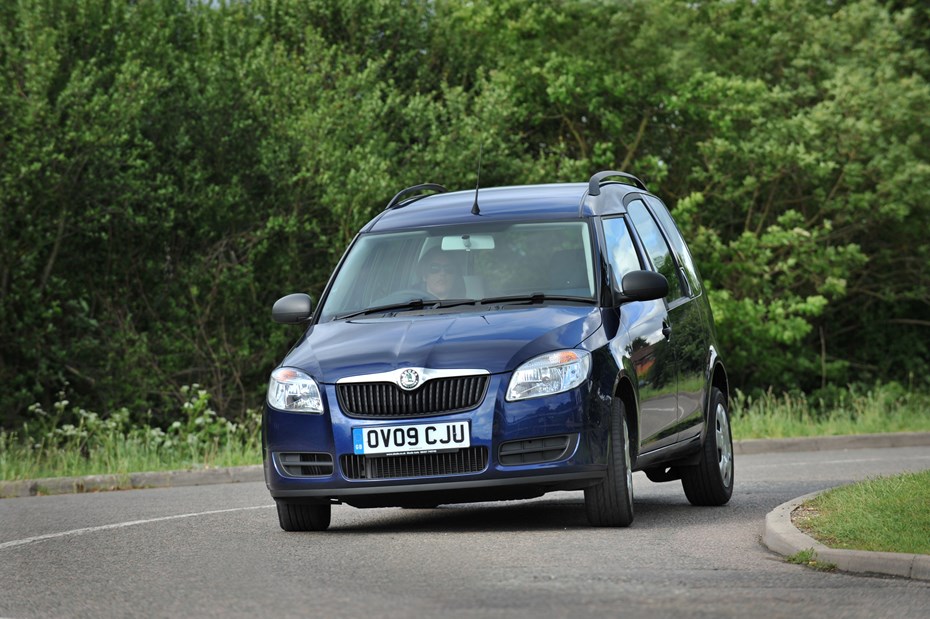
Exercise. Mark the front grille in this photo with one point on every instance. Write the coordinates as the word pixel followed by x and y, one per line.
pixel 470 460
pixel 436 397
pixel 306 464
pixel 535 451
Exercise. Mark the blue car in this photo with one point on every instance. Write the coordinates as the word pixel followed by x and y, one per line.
pixel 497 345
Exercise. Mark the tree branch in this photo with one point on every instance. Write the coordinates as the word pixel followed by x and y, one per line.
pixel 47 272
pixel 640 132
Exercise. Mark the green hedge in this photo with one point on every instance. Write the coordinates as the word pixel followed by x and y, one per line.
pixel 169 168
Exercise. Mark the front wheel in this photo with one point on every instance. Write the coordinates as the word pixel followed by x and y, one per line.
pixel 294 516
pixel 710 482
pixel 610 503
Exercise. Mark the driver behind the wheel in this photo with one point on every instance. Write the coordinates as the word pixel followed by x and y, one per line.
pixel 441 275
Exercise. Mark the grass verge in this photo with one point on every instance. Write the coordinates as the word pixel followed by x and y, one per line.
pixel 888 407
pixel 888 514
pixel 91 444
pixel 94 445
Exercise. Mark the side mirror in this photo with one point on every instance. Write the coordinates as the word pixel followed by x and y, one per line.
pixel 293 309
pixel 643 286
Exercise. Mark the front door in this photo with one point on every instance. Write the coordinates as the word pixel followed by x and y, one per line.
pixel 647 323
pixel 683 327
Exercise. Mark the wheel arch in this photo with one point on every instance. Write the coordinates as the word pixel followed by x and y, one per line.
pixel 627 394
pixel 720 380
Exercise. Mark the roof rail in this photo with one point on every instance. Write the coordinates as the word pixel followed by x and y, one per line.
pixel 594 185
pixel 395 201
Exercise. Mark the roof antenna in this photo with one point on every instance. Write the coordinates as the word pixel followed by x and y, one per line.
pixel 474 207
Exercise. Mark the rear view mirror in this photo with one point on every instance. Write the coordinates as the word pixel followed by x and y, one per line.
pixel 643 286
pixel 467 242
pixel 293 309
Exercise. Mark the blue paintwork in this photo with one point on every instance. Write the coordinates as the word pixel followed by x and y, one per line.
pixel 499 203
pixel 536 202
pixel 495 339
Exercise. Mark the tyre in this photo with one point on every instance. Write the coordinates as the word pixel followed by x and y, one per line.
pixel 610 503
pixel 710 482
pixel 303 516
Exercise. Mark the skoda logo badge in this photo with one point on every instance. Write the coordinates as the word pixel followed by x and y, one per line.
pixel 409 379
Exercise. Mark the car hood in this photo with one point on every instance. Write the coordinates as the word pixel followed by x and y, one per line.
pixel 496 340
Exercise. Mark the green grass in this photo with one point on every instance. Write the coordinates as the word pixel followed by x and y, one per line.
pixel 91 444
pixel 94 445
pixel 890 514
pixel 809 558
pixel 882 408
pixel 120 457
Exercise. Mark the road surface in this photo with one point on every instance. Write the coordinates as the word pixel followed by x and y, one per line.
pixel 218 551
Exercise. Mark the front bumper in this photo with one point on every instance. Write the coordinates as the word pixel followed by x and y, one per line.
pixel 577 415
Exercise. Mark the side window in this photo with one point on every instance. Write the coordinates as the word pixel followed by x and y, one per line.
pixel 678 244
pixel 656 248
pixel 620 249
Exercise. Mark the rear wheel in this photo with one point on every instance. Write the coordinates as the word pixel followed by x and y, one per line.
pixel 711 481
pixel 610 503
pixel 293 516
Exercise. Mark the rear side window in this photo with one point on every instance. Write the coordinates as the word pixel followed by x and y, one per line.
pixel 678 244
pixel 656 248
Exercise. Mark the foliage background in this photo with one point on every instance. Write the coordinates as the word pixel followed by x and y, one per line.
pixel 169 168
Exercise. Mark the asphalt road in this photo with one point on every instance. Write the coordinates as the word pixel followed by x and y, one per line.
pixel 218 551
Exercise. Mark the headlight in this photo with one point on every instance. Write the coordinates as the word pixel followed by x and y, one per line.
pixel 292 390
pixel 553 372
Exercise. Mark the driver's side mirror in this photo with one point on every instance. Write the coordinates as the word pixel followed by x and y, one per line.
pixel 293 309
pixel 642 286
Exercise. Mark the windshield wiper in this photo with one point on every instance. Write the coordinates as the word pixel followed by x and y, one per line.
pixel 536 297
pixel 415 304
pixel 412 304
pixel 454 302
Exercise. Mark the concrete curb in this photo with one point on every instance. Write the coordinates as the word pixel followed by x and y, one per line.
pixel 830 443
pixel 161 479
pixel 782 537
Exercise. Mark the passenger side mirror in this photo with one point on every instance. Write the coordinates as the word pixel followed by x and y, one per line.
pixel 293 309
pixel 643 286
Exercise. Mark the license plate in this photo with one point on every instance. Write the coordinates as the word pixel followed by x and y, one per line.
pixel 411 438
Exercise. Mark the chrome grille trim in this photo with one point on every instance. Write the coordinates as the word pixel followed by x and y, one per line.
pixel 439 396
pixel 428 374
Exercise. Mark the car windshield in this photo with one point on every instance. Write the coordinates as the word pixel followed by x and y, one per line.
pixel 457 265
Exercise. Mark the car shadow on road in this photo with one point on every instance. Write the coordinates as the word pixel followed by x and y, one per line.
pixel 539 515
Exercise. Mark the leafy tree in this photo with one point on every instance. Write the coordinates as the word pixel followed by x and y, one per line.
pixel 810 187
pixel 169 168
